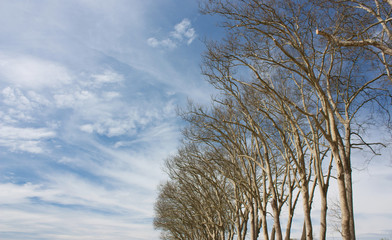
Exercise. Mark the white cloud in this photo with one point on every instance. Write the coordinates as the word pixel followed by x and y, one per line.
pixel 39 99
pixel 183 32
pixel 33 73
pixel 153 42
pixel 14 194
pixel 95 107
pixel 88 128
pixel 24 139
pixel 108 114
pixel 112 127
pixel 74 99
pixel 14 133
pixel 98 109
pixel 48 222
pixel 166 43
pixel 22 106
pixel 110 95
pixel 107 77
pixel 131 194
pixel 90 220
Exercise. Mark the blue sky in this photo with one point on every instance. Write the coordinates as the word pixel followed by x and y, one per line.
pixel 88 98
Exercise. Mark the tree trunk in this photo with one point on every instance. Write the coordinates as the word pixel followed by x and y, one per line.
pixel 288 227
pixel 306 208
pixel 265 226
pixel 277 228
pixel 253 235
pixel 349 191
pixel 339 155
pixel 348 176
pixel 323 214
pixel 346 231
pixel 273 233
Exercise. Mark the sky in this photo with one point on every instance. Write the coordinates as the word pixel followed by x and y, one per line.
pixel 89 91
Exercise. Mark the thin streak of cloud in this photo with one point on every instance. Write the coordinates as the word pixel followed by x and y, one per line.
pixel 166 43
pixel 33 73
pixel 49 222
pixel 24 139
pixel 108 77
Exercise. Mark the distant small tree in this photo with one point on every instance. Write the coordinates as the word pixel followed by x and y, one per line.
pixel 197 201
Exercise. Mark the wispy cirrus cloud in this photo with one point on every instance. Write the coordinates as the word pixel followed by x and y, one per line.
pixel 183 33
pixel 107 77
pixel 24 139
pixel 87 112
pixel 31 72
pixel 65 207
pixel 45 222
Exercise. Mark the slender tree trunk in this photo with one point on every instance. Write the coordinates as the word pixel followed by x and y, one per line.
pixel 291 213
pixel 348 176
pixel 253 235
pixel 350 201
pixel 244 230
pixel 345 212
pixel 323 214
pixel 264 208
pixel 265 226
pixel 340 161
pixel 277 228
pixel 288 227
pixel 306 208
pixel 273 233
